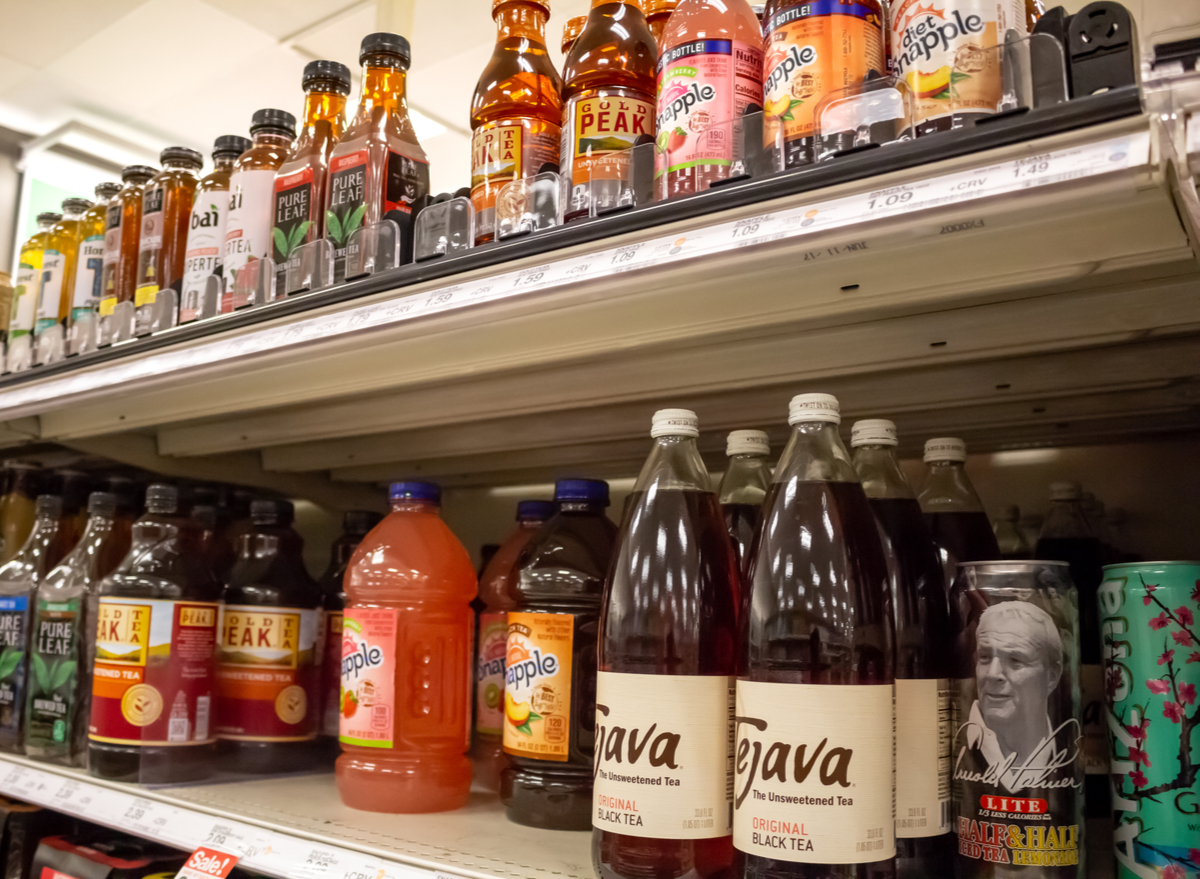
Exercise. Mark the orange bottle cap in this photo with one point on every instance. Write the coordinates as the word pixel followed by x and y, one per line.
pixel 659 7
pixel 572 29
pixel 544 4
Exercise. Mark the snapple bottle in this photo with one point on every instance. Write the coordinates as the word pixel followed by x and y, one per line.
pixel 166 212
pixel 406 662
pixel 378 171
pixel 608 104
pixel 89 265
pixel 516 113
pixel 122 235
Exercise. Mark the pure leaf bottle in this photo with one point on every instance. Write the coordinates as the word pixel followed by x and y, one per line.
pixel 952 508
pixel 60 669
pixel 815 763
pixel 924 846
pixel 122 235
pixel 89 271
pixel 667 665
pixel 744 487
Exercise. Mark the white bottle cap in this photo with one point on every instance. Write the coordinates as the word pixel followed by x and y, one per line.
pixel 873 432
pixel 675 422
pixel 1064 491
pixel 814 407
pixel 747 442
pixel 945 448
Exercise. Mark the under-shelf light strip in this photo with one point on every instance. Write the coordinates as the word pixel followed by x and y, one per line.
pixel 1045 169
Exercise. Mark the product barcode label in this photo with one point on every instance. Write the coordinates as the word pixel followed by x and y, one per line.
pixel 202 718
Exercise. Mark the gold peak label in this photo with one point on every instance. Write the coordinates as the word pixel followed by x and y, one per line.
pixel 250 637
pixel 123 633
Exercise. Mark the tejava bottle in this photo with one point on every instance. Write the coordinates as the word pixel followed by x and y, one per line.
pixel 122 236
pixel 166 214
pixel 300 181
pixel 154 645
pixel 406 662
pixel 550 675
pixel 204 254
pixel 608 104
pixel 924 845
pixel 744 487
pixel 811 49
pixel 952 508
pixel 496 593
pixel 89 272
pixel 662 801
pixel 60 679
pixel 814 793
pixel 709 72
pixel 516 112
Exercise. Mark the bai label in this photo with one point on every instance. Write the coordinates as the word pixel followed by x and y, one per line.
pixel 368 697
pixel 247 225
pixel 205 247
pixel 537 685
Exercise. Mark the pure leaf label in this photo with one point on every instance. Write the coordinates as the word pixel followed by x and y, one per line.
pixel 347 205
pixel 52 668
pixel 14 635
pixel 293 213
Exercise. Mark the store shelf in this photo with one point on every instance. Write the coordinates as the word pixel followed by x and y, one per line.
pixel 296 827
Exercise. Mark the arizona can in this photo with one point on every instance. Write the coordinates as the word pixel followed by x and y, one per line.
pixel 1151 652
pixel 1016 757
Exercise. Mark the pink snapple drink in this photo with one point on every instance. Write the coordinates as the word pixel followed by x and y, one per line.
pixel 709 72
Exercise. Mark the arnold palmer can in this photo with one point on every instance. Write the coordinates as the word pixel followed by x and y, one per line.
pixel 1151 652
pixel 1016 755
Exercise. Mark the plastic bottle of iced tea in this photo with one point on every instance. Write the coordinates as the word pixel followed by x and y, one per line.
pixel 658 12
pixel 571 31
pixel 405 724
pixel 27 295
pixel 550 675
pixel 89 271
pixel 952 508
pixel 60 682
pixel 496 593
pixel 924 843
pixel 252 199
pixel 709 71
pixel 74 487
pixel 300 182
pixel 815 675
pixel 516 112
pixel 744 487
pixel 667 666
pixel 156 616
pixel 608 104
pixel 205 249
pixel 378 171
pixel 22 482
pixel 122 234
pixel 166 215
pixel 270 621
pixel 810 50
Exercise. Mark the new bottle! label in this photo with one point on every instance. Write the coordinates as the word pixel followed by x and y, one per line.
pixel 815 772
pixel 664 755
pixel 14 637
pixel 368 697
pixel 205 247
pixel 537 685
pixel 53 673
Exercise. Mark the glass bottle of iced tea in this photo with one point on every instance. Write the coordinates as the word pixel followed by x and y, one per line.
pixel 122 234
pixel 744 487
pixel 550 675
pixel 27 294
pixel 89 269
pixel 55 261
pixel 952 508
pixel 22 484
pixel 608 104
pixel 809 51
pixel 378 171
pixel 67 238
pixel 496 594
pixel 300 181
pixel 204 253
pixel 571 31
pixel 667 666
pixel 270 622
pixel 516 112
pixel 166 215
pixel 924 647
pixel 657 14
pixel 156 615
pixel 252 199
pixel 814 793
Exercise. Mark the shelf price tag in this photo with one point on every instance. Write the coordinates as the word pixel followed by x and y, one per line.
pixel 207 862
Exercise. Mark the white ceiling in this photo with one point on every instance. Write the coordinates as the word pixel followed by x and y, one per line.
pixel 164 72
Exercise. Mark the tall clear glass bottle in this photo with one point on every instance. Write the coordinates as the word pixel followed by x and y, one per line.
pixel 27 294
pixel 667 662
pixel 166 216
pixel 122 236
pixel 744 487
pixel 1009 538
pixel 54 268
pixel 89 272
pixel 816 671
pixel 924 842
pixel 952 508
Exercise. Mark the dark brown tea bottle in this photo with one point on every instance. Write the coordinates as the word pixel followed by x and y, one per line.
pixel 744 487
pixel 952 508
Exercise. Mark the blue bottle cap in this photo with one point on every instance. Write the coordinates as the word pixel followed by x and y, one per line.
pixel 540 510
pixel 594 491
pixel 422 491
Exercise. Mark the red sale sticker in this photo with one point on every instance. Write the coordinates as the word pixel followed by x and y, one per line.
pixel 207 863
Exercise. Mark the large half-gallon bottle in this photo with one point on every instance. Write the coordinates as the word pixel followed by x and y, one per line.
pixel 952 508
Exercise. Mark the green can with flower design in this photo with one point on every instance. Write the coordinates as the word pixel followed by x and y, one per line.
pixel 1151 650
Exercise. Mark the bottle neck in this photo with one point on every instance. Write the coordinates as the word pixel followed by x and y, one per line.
pixel 524 20
pixel 674 464
pixel 224 162
pixel 98 527
pixel 45 225
pixel 273 138
pixel 180 166
pixel 414 505
pixel 815 454
pixel 880 472
pixel 746 480
pixel 383 87
pixel 1065 520
pixel 949 490
pixel 323 106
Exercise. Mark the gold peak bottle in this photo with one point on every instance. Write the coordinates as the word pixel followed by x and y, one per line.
pixel 300 181
pixel 571 31
pixel 516 114
pixel 122 231
pixel 378 171
pixel 608 103
pixel 166 210
pixel 89 269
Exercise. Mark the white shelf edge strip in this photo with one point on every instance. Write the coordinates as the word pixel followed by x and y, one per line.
pixel 1086 160
pixel 273 852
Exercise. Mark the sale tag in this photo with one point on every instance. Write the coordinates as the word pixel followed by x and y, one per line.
pixel 207 863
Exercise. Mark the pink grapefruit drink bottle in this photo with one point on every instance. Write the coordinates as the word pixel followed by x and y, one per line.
pixel 406 662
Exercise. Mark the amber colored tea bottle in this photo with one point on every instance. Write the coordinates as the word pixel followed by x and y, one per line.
pixel 378 171
pixel 952 508
pixel 300 180
pixel 89 267
pixel 516 113
pixel 58 259
pixel 744 487
pixel 657 13
pixel 571 31
pixel 122 234
pixel 67 234
pixel 166 213
pixel 608 104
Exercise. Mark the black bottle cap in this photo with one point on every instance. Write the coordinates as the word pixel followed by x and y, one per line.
pixel 386 44
pixel 75 205
pixel 273 120
pixel 359 521
pixel 137 174
pixel 162 498
pixel 335 73
pixel 49 505
pixel 230 145
pixel 183 156
pixel 102 503
pixel 48 217
pixel 269 512
pixel 107 189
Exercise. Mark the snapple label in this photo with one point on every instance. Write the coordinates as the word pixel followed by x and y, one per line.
pixel 489 674
pixel 503 151
pixel 537 685
pixel 368 698
pixel 205 246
